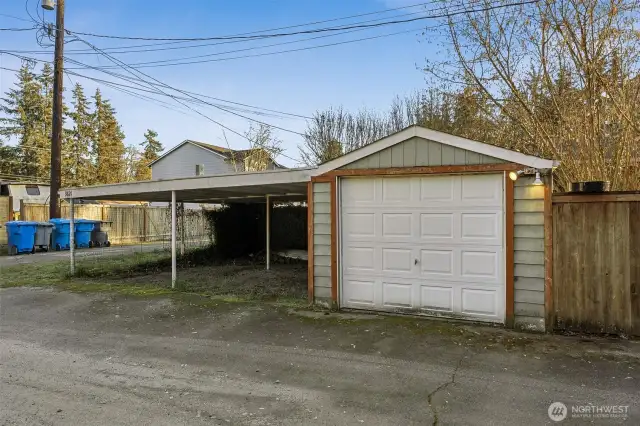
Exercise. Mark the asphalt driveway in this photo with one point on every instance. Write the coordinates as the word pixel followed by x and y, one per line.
pixel 101 359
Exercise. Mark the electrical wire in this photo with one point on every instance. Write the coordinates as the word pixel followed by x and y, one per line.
pixel 256 32
pixel 312 31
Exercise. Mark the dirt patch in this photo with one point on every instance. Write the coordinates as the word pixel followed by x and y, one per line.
pixel 248 280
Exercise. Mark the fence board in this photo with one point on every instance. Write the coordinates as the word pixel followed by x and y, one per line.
pixel 596 265
pixel 131 224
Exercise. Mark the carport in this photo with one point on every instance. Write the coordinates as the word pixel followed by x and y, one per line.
pixel 254 187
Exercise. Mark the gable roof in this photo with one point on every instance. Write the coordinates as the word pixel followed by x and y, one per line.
pixel 507 155
pixel 232 154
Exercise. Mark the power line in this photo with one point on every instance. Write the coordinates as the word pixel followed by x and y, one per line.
pixel 15 17
pixel 115 50
pixel 110 49
pixel 312 31
pixel 113 84
pixel 256 34
pixel 170 62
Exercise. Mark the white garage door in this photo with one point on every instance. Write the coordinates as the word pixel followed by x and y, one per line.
pixel 430 245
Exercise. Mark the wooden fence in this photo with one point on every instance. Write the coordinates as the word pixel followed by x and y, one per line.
pixel 130 224
pixel 596 262
pixel 6 207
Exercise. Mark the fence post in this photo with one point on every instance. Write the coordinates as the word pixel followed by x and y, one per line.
pixel 144 224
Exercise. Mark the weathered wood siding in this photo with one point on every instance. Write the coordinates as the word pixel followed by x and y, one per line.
pixel 5 216
pixel 322 241
pixel 528 256
pixel 418 152
pixel 596 265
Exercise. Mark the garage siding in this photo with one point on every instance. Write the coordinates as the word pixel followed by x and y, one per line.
pixel 322 242
pixel 529 254
pixel 419 152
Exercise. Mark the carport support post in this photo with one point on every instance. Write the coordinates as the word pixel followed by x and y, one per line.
pixel 72 237
pixel 174 271
pixel 268 215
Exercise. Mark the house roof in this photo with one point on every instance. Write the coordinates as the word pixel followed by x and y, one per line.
pixel 440 137
pixel 234 154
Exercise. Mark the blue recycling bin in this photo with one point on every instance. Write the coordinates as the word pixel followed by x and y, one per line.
pixel 21 235
pixel 83 228
pixel 60 236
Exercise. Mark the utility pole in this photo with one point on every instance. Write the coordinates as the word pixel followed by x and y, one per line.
pixel 56 133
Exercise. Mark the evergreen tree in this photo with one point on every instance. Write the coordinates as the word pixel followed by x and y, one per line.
pixel 108 146
pixel 76 160
pixel 151 149
pixel 23 120
pixel 10 164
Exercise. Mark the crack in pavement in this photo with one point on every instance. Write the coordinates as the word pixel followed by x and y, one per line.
pixel 443 386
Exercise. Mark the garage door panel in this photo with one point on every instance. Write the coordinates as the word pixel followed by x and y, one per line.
pixel 437 225
pixel 358 292
pixel 397 295
pixel 397 225
pixel 359 224
pixel 397 190
pixel 438 189
pixel 481 226
pixel 361 259
pixel 358 191
pixel 436 298
pixel 440 262
pixel 480 190
pixel 480 264
pixel 480 302
pixel 426 244
pixel 397 260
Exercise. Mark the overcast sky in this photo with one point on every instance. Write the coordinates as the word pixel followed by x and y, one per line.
pixel 354 75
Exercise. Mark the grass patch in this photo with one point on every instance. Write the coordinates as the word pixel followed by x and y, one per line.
pixel 200 272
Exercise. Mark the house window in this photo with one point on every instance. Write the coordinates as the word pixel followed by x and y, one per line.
pixel 199 169
pixel 33 190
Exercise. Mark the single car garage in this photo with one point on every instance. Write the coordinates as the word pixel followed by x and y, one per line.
pixel 424 222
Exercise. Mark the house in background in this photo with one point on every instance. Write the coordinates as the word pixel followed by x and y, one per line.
pixel 25 192
pixel 191 158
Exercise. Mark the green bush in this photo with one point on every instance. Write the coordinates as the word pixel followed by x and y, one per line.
pixel 240 229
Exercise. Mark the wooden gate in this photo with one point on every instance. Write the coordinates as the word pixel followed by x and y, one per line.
pixel 596 262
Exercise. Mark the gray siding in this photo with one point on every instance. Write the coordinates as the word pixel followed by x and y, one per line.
pixel 418 152
pixel 322 242
pixel 182 163
pixel 529 254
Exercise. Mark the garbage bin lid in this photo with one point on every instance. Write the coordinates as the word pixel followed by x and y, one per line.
pixel 43 223
pixel 21 223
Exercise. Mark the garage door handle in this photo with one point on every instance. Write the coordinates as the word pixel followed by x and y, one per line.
pixel 415 262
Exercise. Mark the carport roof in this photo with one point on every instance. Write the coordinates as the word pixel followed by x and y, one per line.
pixel 285 185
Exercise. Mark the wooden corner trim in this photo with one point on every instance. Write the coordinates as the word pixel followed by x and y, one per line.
pixel 310 242
pixel 334 240
pixel 322 178
pixel 509 251
pixel 548 257
pixel 477 168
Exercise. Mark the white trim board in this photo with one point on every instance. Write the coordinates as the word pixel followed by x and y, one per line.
pixel 440 137
pixel 232 180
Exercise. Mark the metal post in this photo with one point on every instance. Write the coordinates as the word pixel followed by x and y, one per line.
pixel 56 129
pixel 72 237
pixel 268 207
pixel 174 272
